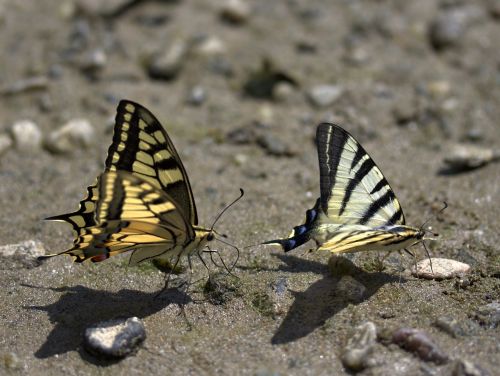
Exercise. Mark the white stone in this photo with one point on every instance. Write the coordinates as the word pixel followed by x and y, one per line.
pixel 324 95
pixel 26 134
pixel 28 249
pixel 441 268
pixel 210 46
pixel 237 11
pixel 74 134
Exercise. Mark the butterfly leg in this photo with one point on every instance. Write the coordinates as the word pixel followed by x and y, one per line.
pixel 412 255
pixel 167 278
pixel 428 256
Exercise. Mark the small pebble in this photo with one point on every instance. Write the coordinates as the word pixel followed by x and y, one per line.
pixel 11 361
pixel 167 64
pixel 210 46
pixel 356 354
pixel 324 95
pixel 466 368
pixel 27 252
pixel 242 135
pixel 441 268
pixel 466 157
pixel 76 133
pixel 405 109
pixel 196 96
pixel 282 91
pixel 447 29
pixel 419 343
pixel 489 315
pixel 280 286
pixel 26 135
pixel 5 143
pixel 115 338
pixel 452 326
pixel 93 61
pixel 350 289
pixel 274 146
pixel 236 11
pixel 28 84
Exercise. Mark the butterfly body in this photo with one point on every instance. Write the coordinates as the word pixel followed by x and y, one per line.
pixel 142 202
pixel 357 209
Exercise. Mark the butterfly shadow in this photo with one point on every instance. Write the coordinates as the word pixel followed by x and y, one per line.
pixel 325 297
pixel 80 307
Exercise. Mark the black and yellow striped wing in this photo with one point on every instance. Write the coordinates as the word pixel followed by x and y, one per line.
pixel 141 146
pixel 132 214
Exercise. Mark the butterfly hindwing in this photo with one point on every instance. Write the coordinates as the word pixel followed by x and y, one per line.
pixel 141 146
pixel 131 214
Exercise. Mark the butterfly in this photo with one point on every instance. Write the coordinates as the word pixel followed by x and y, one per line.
pixel 142 202
pixel 357 210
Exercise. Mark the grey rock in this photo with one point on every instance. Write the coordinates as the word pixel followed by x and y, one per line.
pixel 419 343
pixel 489 315
pixel 446 30
pixel 454 327
pixel 76 133
pixel 466 368
pixel 35 83
pixel 115 338
pixel 280 286
pixel 440 268
pixel 5 143
pixel 167 64
pixel 26 252
pixel 108 8
pixel 11 361
pixel 242 135
pixel 449 27
pixel 236 11
pixel 27 135
pixel 350 289
pixel 466 157
pixel 405 109
pixel 274 146
pixel 93 61
pixel 356 354
pixel 324 95
pixel 197 95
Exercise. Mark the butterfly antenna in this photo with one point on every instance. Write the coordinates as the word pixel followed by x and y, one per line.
pixel 242 192
pixel 429 219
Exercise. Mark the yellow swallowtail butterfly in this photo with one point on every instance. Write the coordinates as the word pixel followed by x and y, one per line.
pixel 142 202
pixel 357 209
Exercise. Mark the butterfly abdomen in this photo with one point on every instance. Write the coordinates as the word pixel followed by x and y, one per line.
pixel 300 234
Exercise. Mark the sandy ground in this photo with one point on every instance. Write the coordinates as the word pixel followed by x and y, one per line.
pixel 406 100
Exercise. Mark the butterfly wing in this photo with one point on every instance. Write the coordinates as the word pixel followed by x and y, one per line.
pixel 353 189
pixel 132 214
pixel 141 146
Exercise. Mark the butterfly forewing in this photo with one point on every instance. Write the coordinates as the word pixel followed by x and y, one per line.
pixel 353 189
pixel 141 146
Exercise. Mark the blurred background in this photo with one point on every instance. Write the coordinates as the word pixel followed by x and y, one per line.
pixel 240 86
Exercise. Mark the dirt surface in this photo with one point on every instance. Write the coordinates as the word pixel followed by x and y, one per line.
pixel 412 79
